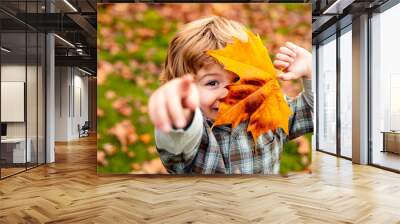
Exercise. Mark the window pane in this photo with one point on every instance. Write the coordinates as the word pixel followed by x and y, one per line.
pixel 327 96
pixel 345 94
pixel 385 89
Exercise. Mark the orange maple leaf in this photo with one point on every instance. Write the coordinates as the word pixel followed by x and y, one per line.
pixel 256 96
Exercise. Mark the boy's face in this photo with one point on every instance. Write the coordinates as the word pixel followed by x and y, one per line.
pixel 211 81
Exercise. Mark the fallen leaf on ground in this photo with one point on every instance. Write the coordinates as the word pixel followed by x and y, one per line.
pixel 145 138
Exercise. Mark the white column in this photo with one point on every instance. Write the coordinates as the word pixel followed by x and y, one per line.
pixel 50 99
pixel 360 90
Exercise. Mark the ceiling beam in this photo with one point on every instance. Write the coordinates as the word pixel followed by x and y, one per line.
pixel 337 7
pixel 83 61
pixel 84 24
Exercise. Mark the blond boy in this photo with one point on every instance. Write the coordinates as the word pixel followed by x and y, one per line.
pixel 184 107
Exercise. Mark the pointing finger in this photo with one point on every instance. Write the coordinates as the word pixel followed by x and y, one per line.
pixel 185 84
pixel 192 100
pixel 175 109
pixel 162 119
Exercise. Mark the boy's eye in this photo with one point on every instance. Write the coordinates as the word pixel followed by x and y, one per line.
pixel 212 83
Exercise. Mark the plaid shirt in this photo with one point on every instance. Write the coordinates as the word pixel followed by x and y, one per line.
pixel 226 151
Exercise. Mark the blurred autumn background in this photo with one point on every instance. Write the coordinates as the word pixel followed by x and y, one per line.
pixel 132 41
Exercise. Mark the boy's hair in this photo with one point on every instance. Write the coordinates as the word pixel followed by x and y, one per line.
pixel 187 50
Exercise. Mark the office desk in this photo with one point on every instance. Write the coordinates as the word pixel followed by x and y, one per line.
pixel 16 147
pixel 391 141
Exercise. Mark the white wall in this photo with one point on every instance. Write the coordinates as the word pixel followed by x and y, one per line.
pixel 61 103
pixel 71 93
pixel 11 73
pixel 33 127
pixel 80 102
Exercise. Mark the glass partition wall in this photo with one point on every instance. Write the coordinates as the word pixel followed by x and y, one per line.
pixel 13 89
pixel 334 94
pixel 22 88
pixel 334 86
pixel 385 90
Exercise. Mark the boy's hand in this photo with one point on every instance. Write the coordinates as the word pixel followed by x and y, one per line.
pixel 173 103
pixel 295 61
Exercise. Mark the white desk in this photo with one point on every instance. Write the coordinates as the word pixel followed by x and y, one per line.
pixel 19 149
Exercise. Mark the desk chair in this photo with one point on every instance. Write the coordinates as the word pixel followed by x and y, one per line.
pixel 84 130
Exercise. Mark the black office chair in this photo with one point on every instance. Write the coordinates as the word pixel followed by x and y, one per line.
pixel 84 130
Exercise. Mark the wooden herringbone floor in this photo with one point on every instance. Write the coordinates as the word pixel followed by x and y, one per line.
pixel 69 191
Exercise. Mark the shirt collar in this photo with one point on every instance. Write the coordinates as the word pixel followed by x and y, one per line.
pixel 225 127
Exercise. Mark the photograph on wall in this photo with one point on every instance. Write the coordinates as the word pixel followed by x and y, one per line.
pixel 204 88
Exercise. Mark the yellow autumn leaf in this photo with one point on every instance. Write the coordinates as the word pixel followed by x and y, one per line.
pixel 256 96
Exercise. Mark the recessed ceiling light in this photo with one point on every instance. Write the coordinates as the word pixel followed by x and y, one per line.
pixel 84 71
pixel 70 5
pixel 337 7
pixel 5 49
pixel 64 40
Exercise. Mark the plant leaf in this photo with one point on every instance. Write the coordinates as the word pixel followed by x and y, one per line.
pixel 256 96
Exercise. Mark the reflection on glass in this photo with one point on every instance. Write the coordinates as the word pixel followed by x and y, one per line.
pixel 327 96
pixel 346 94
